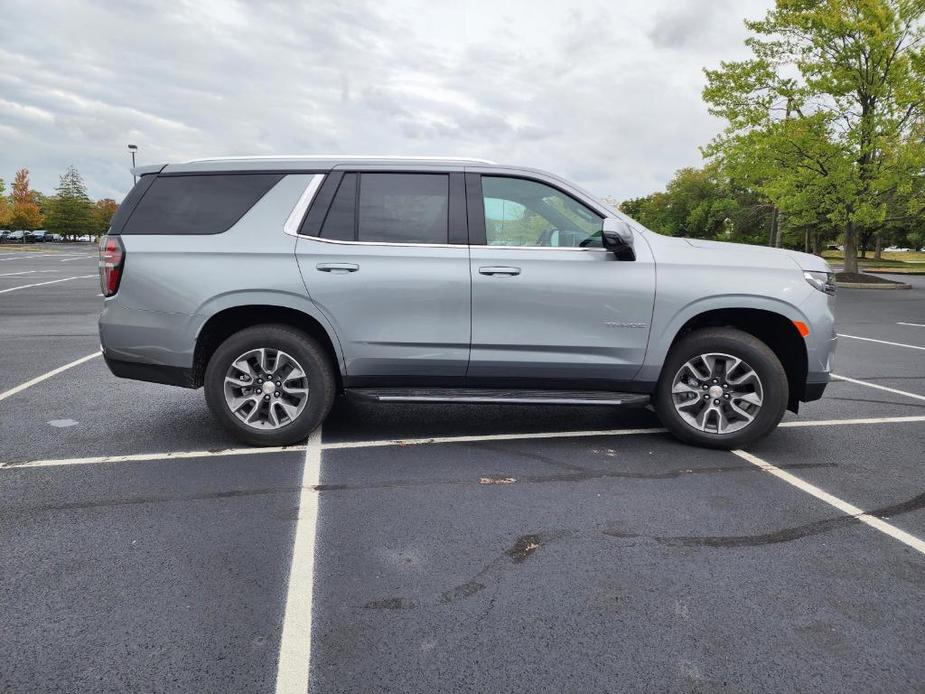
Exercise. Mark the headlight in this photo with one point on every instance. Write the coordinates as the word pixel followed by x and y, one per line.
pixel 823 281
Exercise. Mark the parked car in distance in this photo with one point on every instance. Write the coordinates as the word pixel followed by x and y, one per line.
pixel 20 235
pixel 4 234
pixel 50 236
pixel 39 235
pixel 277 283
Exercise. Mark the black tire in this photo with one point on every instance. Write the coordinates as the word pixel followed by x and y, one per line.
pixel 738 344
pixel 315 361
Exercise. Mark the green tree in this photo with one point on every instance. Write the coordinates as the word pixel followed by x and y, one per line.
pixel 103 211
pixel 829 111
pixel 24 211
pixel 4 206
pixel 703 203
pixel 71 211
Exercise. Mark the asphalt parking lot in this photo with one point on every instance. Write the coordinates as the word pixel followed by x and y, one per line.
pixel 450 548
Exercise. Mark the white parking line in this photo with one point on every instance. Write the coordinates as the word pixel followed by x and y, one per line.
pixel 843 506
pixel 879 387
pixel 914 325
pixel 295 645
pixel 339 445
pixel 54 372
pixel 882 342
pixel 39 284
pixel 10 274
pixel 18 256
pixel 80 257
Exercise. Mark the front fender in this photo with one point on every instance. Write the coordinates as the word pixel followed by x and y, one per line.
pixel 667 324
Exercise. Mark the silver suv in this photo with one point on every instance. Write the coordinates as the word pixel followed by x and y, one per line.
pixel 277 283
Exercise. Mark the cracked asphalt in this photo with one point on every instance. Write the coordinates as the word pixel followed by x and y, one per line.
pixel 593 562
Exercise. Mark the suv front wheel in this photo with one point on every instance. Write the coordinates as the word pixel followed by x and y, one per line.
pixel 721 388
pixel 270 385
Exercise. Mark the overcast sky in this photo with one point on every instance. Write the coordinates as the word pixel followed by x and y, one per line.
pixel 604 93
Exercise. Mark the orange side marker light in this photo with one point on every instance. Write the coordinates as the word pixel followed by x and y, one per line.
pixel 802 328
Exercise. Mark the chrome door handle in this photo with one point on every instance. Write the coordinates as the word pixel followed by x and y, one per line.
pixel 337 268
pixel 503 270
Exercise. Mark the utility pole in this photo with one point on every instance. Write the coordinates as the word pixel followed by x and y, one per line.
pixel 133 149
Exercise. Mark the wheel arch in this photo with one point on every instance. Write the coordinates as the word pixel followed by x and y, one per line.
pixel 774 329
pixel 225 322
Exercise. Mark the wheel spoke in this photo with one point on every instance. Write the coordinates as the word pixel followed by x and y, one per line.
pixel 290 410
pixel 238 403
pixel 751 398
pixel 739 411
pixel 684 387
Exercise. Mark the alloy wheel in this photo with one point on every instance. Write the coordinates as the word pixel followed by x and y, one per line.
pixel 266 388
pixel 717 393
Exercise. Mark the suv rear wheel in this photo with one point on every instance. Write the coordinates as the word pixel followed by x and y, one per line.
pixel 270 385
pixel 721 388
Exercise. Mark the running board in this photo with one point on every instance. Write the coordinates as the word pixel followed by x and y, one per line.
pixel 500 397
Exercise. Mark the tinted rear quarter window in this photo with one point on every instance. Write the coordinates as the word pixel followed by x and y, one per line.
pixel 340 224
pixel 403 208
pixel 197 204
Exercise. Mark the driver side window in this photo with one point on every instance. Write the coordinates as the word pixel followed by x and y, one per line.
pixel 520 212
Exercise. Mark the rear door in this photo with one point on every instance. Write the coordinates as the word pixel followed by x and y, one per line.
pixel 383 254
pixel 550 306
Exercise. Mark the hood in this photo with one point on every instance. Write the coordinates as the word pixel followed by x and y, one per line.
pixel 805 261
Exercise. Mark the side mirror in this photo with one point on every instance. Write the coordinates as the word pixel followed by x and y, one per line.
pixel 617 238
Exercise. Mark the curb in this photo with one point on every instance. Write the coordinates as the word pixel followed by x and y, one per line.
pixel 873 285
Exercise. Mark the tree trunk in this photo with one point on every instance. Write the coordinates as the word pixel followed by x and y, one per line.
pixel 772 233
pixel 806 240
pixel 851 248
pixel 878 248
pixel 817 244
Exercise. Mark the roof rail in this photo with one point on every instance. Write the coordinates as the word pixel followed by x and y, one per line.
pixel 329 157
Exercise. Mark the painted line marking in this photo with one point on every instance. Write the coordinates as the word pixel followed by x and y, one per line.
pixel 914 325
pixel 54 372
pixel 39 284
pixel 339 445
pixel 840 504
pixel 295 644
pixel 80 257
pixel 879 387
pixel 882 342
pixel 10 274
pixel 492 437
pixel 25 254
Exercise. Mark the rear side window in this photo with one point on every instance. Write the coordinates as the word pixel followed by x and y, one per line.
pixel 128 204
pixel 197 204
pixel 340 224
pixel 403 208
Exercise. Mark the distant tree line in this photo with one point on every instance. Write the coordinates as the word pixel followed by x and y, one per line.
pixel 825 136
pixel 69 212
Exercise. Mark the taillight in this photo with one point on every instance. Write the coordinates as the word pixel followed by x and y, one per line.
pixel 112 259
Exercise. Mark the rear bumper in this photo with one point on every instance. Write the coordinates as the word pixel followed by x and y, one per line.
pixel 154 373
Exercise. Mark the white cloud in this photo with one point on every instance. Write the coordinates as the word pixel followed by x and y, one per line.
pixel 607 94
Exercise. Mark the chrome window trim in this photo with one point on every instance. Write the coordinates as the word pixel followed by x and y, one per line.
pixel 451 245
pixel 294 221
pixel 384 243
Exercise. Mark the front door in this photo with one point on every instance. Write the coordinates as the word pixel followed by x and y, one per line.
pixel 383 271
pixel 550 306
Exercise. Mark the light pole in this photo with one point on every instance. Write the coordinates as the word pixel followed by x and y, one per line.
pixel 133 149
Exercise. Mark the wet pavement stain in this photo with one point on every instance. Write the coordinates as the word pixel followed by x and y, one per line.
pixel 390 604
pixel 785 535
pixel 523 548
pixel 466 590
